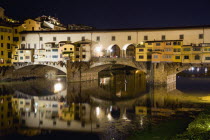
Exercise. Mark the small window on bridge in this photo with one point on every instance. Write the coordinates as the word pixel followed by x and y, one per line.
pixel 186 57
pixel 141 57
pixel 113 38
pixel 186 49
pixel 54 50
pixel 157 44
pixel 98 38
pixel 129 37
pixel 200 36
pixel 207 58
pixel 141 50
pixel 155 56
pixel 177 57
pixel 146 38
pixel 181 36
pixel 197 57
pixel 163 37
pixel 149 57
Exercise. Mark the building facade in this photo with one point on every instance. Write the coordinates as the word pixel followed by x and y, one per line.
pixel 122 43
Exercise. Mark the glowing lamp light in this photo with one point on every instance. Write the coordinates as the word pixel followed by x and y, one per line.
pixel 98 49
pixel 58 87
pixel 111 50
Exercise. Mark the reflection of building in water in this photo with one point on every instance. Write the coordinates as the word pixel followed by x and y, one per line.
pixel 35 112
pixel 6 112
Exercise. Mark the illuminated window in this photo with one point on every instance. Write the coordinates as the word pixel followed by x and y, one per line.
pixel 207 58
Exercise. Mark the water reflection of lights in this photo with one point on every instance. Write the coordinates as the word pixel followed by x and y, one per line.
pixel 206 70
pixel 104 81
pixel 58 87
pixel 198 69
pixel 109 116
pixel 59 79
pixel 119 94
pixel 97 111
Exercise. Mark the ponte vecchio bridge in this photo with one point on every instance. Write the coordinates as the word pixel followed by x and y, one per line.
pixel 157 73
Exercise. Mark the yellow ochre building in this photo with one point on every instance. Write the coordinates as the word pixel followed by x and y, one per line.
pixel 173 51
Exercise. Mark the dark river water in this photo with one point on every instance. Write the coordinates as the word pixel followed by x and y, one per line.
pixel 120 105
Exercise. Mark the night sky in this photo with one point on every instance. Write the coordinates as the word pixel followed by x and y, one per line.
pixel 114 13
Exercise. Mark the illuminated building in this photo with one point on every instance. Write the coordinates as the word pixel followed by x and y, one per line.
pixel 43 23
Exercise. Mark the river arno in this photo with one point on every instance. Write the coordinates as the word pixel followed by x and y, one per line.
pixel 120 105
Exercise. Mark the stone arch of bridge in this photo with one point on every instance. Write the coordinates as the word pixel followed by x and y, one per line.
pixel 114 50
pixel 102 66
pixel 129 50
pixel 34 66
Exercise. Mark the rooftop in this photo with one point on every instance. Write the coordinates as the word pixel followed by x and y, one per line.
pixel 124 29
